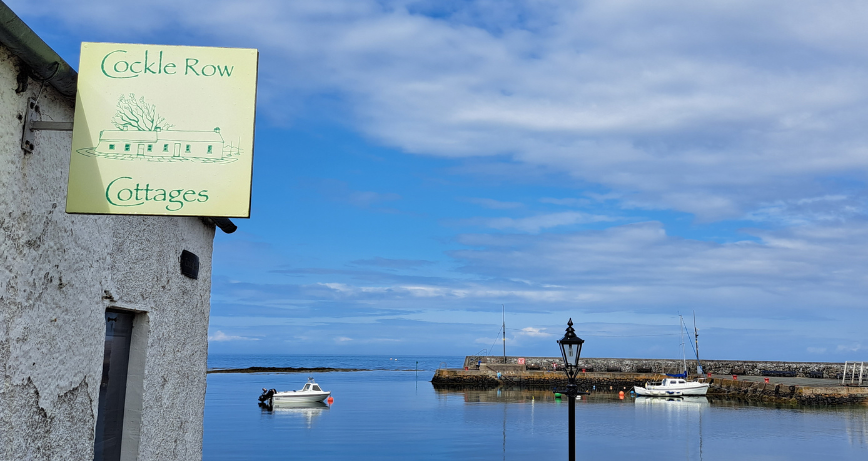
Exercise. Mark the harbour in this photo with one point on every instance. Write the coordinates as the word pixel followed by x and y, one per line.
pixel 393 412
pixel 789 383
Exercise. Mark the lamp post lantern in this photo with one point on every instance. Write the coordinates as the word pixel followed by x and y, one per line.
pixel 571 350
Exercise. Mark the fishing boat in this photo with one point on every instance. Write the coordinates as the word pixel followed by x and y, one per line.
pixel 311 392
pixel 677 385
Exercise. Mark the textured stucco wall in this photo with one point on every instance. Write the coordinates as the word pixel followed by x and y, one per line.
pixel 59 273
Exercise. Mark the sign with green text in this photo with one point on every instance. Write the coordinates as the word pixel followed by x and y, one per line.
pixel 163 130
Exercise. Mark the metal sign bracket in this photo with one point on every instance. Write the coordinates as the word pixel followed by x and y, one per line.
pixel 31 124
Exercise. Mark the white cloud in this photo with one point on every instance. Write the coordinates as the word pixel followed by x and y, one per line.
pixel 495 204
pixel 219 336
pixel 816 350
pixel 343 339
pixel 636 266
pixel 368 198
pixel 853 347
pixel 714 108
pixel 828 208
pixel 565 201
pixel 535 224
pixel 534 332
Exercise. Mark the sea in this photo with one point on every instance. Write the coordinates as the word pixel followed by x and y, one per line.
pixel 393 412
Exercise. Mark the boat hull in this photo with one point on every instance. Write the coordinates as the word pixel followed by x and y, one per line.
pixel 688 389
pixel 643 392
pixel 300 397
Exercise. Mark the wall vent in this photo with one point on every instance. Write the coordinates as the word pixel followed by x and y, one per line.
pixel 189 264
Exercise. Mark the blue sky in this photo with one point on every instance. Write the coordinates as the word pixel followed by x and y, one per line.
pixel 419 164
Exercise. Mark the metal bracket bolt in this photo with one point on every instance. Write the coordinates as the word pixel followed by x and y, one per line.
pixel 31 124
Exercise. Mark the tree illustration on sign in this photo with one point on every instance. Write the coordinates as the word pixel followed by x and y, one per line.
pixel 135 114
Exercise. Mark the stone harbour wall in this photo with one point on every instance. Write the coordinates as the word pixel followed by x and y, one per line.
pixel 588 382
pixel 492 375
pixel 718 367
pixel 775 393
pixel 789 394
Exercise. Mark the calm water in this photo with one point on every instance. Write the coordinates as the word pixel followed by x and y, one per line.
pixel 392 414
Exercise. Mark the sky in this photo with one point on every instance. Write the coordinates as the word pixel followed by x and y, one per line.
pixel 421 167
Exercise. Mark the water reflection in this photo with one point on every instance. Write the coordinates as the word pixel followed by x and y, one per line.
pixel 307 410
pixel 679 415
pixel 693 426
pixel 856 426
pixel 677 419
pixel 673 403
pixel 499 395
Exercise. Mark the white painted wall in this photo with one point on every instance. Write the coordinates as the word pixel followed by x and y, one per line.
pixel 59 273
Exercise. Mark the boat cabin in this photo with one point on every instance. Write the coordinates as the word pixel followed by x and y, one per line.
pixel 311 387
pixel 666 382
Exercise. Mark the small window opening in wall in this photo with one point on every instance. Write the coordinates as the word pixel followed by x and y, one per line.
pixel 112 388
pixel 187 149
pixel 126 147
pixel 111 147
pixel 150 147
pixel 210 149
pixel 165 148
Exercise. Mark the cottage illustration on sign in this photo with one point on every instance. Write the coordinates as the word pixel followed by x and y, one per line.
pixel 142 134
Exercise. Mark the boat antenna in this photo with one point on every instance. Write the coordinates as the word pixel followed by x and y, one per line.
pixel 504 332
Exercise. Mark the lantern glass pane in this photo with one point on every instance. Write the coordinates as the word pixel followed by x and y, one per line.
pixel 570 352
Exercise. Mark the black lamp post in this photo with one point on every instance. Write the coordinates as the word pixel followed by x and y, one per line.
pixel 571 349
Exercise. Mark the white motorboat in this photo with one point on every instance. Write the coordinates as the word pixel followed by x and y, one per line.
pixel 311 392
pixel 672 387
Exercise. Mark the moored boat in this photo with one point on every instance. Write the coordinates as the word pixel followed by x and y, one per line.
pixel 311 392
pixel 676 385
pixel 672 387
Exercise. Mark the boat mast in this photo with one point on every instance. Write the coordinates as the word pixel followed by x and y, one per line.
pixel 683 355
pixel 696 338
pixel 503 327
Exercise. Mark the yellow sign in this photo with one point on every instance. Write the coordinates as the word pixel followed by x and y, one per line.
pixel 163 130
